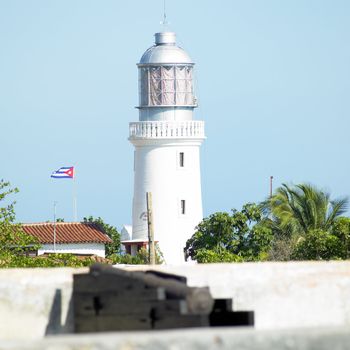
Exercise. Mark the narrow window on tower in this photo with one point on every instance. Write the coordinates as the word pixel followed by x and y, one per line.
pixel 182 159
pixel 183 206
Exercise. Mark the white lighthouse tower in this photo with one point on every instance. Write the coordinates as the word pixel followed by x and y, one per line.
pixel 167 158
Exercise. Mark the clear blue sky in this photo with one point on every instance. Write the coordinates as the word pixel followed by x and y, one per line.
pixel 273 83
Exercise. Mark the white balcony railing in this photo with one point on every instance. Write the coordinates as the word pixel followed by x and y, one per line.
pixel 167 129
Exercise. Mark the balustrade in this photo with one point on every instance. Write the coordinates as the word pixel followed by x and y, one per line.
pixel 167 129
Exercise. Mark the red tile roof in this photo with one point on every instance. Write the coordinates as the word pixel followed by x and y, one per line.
pixel 67 232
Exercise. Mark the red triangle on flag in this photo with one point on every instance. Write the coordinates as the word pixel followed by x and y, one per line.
pixel 70 171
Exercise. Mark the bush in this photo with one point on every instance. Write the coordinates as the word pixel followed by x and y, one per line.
pixel 141 258
pixel 317 245
pixel 11 260
pixel 211 256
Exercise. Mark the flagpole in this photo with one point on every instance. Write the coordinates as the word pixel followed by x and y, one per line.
pixel 75 215
pixel 54 226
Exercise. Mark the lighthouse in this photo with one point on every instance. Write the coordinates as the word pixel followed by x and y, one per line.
pixel 167 141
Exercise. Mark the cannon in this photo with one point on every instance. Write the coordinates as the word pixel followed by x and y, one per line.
pixel 112 299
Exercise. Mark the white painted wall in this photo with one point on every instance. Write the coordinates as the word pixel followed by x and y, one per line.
pixel 157 170
pixel 76 248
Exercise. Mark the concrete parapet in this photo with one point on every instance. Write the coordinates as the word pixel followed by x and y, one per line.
pixel 282 294
pixel 36 302
pixel 211 339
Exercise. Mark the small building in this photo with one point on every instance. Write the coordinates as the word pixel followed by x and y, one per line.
pixel 69 237
pixel 130 246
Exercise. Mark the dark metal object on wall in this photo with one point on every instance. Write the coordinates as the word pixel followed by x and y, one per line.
pixel 111 299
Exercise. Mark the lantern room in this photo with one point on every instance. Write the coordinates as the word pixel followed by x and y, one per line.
pixel 166 75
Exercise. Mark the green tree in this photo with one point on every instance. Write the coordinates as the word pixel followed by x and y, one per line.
pixel 240 236
pixel 111 248
pixel 13 241
pixel 304 221
pixel 341 229
pixel 296 210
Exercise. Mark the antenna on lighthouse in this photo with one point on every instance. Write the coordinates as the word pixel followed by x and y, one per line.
pixel 164 22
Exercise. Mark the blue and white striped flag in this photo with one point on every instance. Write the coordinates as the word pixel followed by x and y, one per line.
pixel 64 173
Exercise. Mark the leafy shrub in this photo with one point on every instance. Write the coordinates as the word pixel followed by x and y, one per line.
pixel 141 258
pixel 317 245
pixel 11 260
pixel 211 256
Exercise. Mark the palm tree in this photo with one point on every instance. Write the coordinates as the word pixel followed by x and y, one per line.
pixel 294 211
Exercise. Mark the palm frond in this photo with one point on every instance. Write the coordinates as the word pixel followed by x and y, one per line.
pixel 296 209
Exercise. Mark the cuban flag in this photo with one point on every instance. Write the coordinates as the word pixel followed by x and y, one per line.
pixel 64 173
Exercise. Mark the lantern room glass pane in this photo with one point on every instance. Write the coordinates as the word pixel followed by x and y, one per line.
pixel 143 93
pixel 155 86
pixel 166 85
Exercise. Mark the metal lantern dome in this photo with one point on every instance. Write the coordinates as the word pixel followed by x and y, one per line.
pixel 165 51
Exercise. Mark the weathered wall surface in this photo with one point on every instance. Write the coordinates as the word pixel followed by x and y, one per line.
pixel 195 339
pixel 282 295
pixel 36 302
